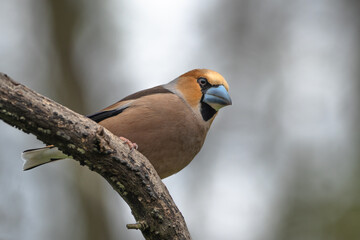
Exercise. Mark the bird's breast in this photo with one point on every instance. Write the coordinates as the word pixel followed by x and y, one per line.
pixel 165 129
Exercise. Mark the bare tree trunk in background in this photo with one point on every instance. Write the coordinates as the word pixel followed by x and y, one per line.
pixel 247 36
pixel 312 215
pixel 347 224
pixel 65 16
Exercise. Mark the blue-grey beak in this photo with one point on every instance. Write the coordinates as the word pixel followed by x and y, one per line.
pixel 217 97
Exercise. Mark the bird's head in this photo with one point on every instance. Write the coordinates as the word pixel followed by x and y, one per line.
pixel 203 90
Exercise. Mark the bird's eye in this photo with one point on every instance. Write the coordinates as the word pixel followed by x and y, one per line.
pixel 202 82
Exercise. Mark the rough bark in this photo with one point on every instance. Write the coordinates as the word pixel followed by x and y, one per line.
pixel 128 172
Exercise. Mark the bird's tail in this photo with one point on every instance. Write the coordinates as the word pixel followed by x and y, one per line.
pixel 40 156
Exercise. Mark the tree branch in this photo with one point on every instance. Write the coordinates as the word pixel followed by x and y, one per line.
pixel 128 172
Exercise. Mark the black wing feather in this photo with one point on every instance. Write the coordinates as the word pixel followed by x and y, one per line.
pixel 99 116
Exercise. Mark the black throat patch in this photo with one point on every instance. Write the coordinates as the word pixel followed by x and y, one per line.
pixel 206 111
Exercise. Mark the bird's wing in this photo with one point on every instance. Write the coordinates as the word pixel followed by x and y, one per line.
pixel 124 103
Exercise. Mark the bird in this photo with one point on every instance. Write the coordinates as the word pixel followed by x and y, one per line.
pixel 168 123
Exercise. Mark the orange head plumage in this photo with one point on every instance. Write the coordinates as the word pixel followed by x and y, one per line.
pixel 204 90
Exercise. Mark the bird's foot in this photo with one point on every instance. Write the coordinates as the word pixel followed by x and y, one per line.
pixel 131 145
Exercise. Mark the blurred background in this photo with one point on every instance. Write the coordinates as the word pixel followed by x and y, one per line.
pixel 281 163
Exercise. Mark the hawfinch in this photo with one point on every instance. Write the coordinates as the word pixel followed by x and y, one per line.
pixel 168 123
